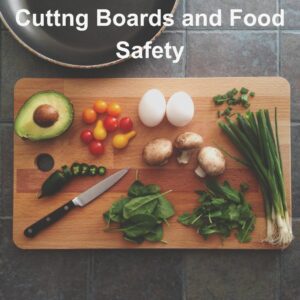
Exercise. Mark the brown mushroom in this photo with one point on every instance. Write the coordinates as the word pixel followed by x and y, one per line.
pixel 211 162
pixel 186 143
pixel 157 152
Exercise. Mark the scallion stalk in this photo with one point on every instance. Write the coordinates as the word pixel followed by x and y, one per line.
pixel 253 136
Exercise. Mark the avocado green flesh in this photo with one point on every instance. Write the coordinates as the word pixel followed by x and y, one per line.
pixel 26 128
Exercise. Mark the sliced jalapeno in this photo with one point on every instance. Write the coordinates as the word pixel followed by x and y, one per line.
pixel 93 170
pixel 76 169
pixel 101 171
pixel 84 169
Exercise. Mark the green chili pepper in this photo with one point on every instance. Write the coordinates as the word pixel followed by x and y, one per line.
pixel 53 184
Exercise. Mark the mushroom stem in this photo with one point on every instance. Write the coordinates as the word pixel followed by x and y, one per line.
pixel 200 172
pixel 184 157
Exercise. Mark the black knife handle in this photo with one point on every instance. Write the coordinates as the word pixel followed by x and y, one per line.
pixel 43 223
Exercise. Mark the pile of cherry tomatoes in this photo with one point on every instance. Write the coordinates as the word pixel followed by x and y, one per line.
pixel 110 123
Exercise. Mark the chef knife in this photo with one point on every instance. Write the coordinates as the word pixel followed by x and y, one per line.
pixel 80 201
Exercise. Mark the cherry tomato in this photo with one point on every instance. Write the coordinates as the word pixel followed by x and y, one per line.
pixel 114 109
pixel 126 124
pixel 96 147
pixel 89 116
pixel 86 136
pixel 110 123
pixel 100 106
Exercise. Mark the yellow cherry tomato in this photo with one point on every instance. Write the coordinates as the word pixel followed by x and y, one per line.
pixel 89 116
pixel 114 109
pixel 120 140
pixel 99 132
pixel 100 106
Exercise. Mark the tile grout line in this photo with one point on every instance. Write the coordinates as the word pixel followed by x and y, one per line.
pixel 185 42
pixel 5 218
pixel 89 277
pixel 7 123
pixel 183 271
pixel 278 4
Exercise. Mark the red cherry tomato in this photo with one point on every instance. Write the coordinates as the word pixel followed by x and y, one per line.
pixel 114 109
pixel 96 147
pixel 110 123
pixel 126 124
pixel 86 136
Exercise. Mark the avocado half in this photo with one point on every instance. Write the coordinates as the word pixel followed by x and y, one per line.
pixel 43 116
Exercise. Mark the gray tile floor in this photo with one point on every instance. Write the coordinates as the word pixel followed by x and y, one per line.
pixel 161 274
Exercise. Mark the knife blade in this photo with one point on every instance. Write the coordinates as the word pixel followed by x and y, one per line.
pixel 81 200
pixel 98 189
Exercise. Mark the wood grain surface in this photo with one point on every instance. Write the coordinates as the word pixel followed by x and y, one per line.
pixel 83 227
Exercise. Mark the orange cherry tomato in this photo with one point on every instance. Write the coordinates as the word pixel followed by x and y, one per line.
pixel 114 109
pixel 100 106
pixel 89 116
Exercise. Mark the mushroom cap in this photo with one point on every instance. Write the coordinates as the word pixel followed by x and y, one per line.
pixel 212 161
pixel 188 141
pixel 157 152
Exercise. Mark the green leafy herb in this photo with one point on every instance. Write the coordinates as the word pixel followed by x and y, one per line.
pixel 141 213
pixel 222 210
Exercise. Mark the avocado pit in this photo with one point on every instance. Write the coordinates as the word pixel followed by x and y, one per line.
pixel 45 115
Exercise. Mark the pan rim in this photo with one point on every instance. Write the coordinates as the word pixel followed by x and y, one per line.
pixel 78 66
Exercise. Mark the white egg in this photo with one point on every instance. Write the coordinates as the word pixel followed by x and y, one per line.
pixel 152 108
pixel 180 109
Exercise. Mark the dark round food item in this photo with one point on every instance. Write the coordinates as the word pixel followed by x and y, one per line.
pixel 90 47
pixel 45 115
pixel 44 162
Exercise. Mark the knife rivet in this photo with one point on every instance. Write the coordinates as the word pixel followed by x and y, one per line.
pixel 29 230
pixel 48 219
pixel 66 207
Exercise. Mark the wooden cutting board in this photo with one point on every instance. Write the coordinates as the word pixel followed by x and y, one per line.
pixel 83 228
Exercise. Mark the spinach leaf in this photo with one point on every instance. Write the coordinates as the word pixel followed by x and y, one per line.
pixel 139 225
pixel 141 213
pixel 137 240
pixel 135 189
pixel 151 189
pixel 156 234
pixel 116 210
pixel 164 209
pixel 140 205
pixel 138 189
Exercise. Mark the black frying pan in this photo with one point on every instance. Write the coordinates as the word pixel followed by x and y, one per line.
pixel 95 47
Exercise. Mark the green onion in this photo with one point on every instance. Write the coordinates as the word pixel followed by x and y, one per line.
pixel 253 136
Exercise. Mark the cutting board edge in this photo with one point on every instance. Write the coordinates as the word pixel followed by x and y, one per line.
pixel 24 247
